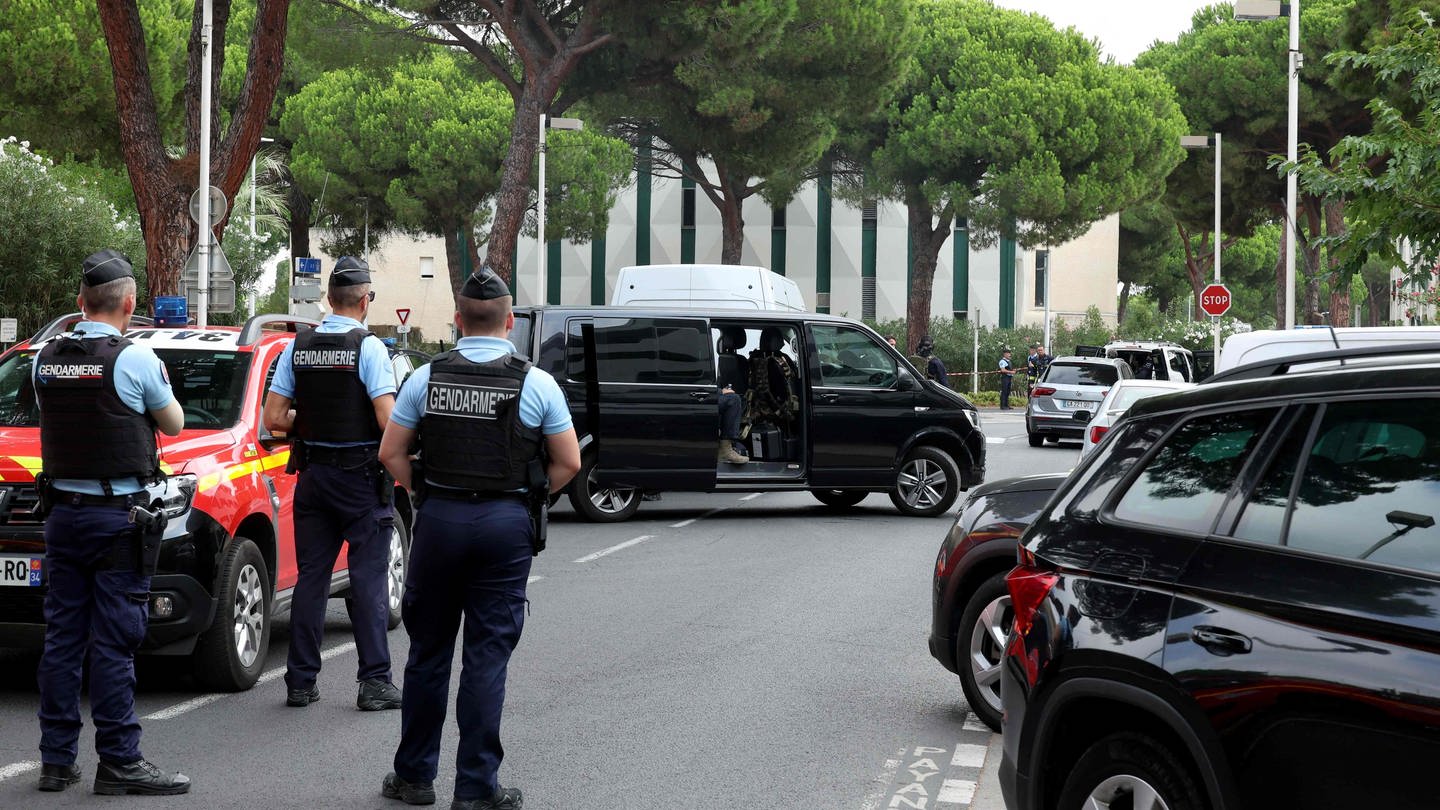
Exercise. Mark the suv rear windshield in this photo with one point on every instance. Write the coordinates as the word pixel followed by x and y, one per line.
pixel 1077 374
pixel 210 387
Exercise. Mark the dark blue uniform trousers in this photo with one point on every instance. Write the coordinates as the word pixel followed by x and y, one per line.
pixel 470 560
pixel 333 505
pixel 97 602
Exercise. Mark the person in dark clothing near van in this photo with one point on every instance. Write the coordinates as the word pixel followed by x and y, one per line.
pixel 1007 379
pixel 934 367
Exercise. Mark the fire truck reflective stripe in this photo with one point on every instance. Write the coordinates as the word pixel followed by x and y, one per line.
pixel 212 480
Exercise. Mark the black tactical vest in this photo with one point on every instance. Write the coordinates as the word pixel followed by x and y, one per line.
pixel 332 403
pixel 471 437
pixel 86 430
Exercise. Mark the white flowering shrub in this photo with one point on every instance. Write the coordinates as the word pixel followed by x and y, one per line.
pixel 51 217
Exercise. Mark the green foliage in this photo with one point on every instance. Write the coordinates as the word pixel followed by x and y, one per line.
pixel 1390 175
pixel 585 171
pixel 52 217
pixel 55 83
pixel 278 301
pixel 1010 124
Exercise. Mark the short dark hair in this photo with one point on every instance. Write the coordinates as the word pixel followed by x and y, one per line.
pixel 108 297
pixel 346 295
pixel 486 317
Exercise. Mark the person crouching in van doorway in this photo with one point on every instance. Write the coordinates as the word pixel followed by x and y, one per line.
pixel 101 400
pixel 338 378
pixel 494 437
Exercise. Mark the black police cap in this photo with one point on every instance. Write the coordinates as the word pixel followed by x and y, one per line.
pixel 106 265
pixel 350 271
pixel 483 285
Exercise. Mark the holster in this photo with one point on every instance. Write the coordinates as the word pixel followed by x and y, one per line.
pixel 538 504
pixel 46 494
pixel 149 530
pixel 417 482
pixel 299 457
pixel 384 485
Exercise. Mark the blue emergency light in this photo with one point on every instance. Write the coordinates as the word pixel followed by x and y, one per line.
pixel 171 310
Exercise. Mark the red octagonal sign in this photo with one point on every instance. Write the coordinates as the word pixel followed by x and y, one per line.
pixel 1215 299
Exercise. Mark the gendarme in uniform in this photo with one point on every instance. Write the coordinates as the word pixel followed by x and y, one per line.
pixel 482 415
pixel 339 380
pixel 96 392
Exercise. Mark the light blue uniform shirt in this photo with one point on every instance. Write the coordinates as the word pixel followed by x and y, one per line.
pixel 142 384
pixel 375 369
pixel 542 404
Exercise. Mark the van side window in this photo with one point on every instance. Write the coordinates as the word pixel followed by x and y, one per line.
pixel 852 359
pixel 575 351
pixel 652 350
pixel 1179 367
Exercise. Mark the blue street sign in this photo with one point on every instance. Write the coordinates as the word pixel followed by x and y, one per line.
pixel 305 266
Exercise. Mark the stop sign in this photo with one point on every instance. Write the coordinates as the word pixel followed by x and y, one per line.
pixel 1215 299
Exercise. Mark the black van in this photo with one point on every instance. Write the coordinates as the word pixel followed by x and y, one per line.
pixel 830 407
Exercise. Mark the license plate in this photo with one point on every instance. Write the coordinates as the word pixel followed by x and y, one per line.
pixel 1071 404
pixel 20 572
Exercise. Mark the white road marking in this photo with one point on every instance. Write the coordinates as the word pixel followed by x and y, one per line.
pixel 17 769
pixel 882 781
pixel 682 524
pixel 752 496
pixel 178 709
pixel 995 439
pixel 973 723
pixel 956 791
pixel 611 550
pixel 533 580
pixel 969 756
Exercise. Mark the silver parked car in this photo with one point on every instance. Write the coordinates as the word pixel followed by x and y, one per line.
pixel 1070 384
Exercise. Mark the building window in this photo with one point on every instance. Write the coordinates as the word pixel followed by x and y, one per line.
pixel 1042 273
pixel 777 217
pixel 427 266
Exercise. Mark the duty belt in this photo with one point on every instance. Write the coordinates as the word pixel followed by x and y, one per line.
pixel 116 501
pixel 342 456
pixel 471 495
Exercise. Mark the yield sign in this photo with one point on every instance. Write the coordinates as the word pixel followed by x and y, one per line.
pixel 403 315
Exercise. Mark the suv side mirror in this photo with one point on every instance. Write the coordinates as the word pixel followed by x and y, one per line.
pixel 907 383
pixel 1083 416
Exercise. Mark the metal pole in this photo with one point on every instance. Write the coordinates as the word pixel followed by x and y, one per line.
pixel 252 196
pixel 1049 265
pixel 975 378
pixel 202 289
pixel 540 219
pixel 1292 224
pixel 1216 319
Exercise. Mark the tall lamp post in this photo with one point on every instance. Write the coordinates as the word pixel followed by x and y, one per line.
pixel 1204 142
pixel 546 123
pixel 1271 10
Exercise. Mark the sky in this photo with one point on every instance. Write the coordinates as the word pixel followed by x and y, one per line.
pixel 1125 28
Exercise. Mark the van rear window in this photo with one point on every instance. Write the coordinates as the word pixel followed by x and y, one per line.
pixel 1074 374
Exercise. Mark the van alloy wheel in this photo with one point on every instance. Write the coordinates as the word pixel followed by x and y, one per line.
pixel 613 500
pixel 927 484
pixel 1134 793
pixel 601 504
pixel 249 615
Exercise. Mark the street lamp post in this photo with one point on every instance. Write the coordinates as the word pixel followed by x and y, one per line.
pixel 546 123
pixel 1202 142
pixel 1271 10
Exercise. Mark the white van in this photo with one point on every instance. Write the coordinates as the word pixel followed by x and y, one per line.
pixel 1269 344
pixel 706 286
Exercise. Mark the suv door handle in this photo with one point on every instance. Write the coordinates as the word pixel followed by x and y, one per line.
pixel 1220 641
pixel 828 397
pixel 699 396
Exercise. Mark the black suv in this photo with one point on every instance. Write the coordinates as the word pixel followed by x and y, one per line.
pixel 1235 603
pixel 832 408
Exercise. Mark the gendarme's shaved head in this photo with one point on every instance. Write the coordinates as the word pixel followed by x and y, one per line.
pixel 483 317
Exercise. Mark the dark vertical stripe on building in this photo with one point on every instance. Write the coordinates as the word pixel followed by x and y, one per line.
pixel 687 221
pixel 823 205
pixel 960 295
pixel 777 240
pixel 552 271
pixel 597 270
pixel 869 223
pixel 643 180
pixel 1007 283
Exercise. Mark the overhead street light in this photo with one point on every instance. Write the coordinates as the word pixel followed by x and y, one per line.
pixel 546 123
pixel 1271 10
pixel 1205 142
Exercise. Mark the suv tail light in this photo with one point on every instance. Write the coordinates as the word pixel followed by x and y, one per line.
pixel 1097 433
pixel 1042 391
pixel 1028 588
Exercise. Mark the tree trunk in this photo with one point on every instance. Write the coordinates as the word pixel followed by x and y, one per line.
pixel 512 201
pixel 732 222
pixel 929 237
pixel 1339 278
pixel 1195 268
pixel 454 251
pixel 1280 268
pixel 1123 303
pixel 1378 298
pixel 163 185
pixel 1310 252
pixel 300 210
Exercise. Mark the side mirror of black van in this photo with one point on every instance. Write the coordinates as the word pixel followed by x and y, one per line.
pixel 907 383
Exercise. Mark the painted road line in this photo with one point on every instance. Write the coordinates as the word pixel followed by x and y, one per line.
pixel 960 792
pixel 266 677
pixel 682 524
pixel 995 439
pixel 969 755
pixel 752 496
pixel 533 580
pixel 881 783
pixel 17 769
pixel 611 550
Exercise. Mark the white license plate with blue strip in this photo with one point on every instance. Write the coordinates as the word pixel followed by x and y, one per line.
pixel 20 572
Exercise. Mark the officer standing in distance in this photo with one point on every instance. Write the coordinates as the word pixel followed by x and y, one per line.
pixel 485 420
pixel 101 399
pixel 339 381
pixel 1007 378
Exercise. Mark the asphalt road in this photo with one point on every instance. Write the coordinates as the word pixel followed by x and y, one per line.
pixel 718 651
